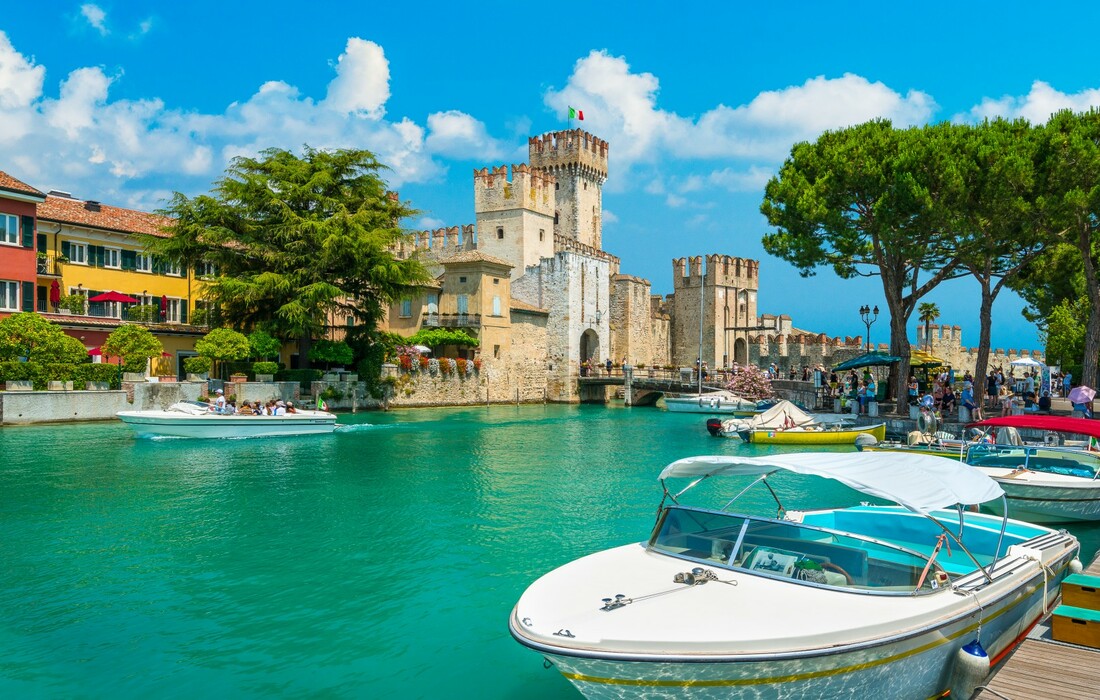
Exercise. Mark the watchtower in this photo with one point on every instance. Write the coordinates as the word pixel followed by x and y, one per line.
pixel 726 293
pixel 515 216
pixel 578 162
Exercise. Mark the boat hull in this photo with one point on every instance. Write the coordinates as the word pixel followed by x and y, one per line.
pixel 166 424
pixel 709 405
pixel 916 666
pixel 846 436
pixel 1046 503
pixel 949 453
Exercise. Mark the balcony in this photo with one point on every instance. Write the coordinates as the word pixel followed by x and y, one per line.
pixel 48 266
pixel 452 320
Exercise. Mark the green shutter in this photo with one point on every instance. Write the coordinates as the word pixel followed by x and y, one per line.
pixel 99 256
pixel 28 296
pixel 65 250
pixel 41 243
pixel 157 265
pixel 183 311
pixel 28 231
pixel 129 260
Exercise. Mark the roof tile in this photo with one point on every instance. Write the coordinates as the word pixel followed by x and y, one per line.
pixel 74 211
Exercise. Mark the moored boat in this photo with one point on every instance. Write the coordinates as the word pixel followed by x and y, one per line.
pixel 713 402
pixel 786 424
pixel 196 420
pixel 825 603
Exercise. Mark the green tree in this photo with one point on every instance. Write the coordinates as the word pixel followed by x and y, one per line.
pixel 927 313
pixel 263 344
pixel 333 352
pixel 870 200
pixel 134 344
pixel 440 337
pixel 295 239
pixel 995 222
pixel 1069 207
pixel 223 344
pixel 1064 334
pixel 39 340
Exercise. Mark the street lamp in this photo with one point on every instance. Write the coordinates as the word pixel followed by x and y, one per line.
pixel 869 316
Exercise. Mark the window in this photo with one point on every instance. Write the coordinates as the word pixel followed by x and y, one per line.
pixel 406 308
pixel 205 269
pixel 462 280
pixel 463 304
pixel 9 229
pixel 555 218
pixel 585 185
pixel 78 253
pixel 173 314
pixel 350 321
pixel 496 280
pixel 496 352
pixel 112 257
pixel 143 263
pixel 172 269
pixel 433 303
pixel 540 234
pixel 500 234
pixel 496 306
pixel 9 296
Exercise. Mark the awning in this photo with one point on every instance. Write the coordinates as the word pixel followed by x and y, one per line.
pixel 1060 424
pixel 921 483
pixel 114 296
pixel 877 358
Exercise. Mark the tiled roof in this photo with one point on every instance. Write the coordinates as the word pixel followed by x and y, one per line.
pixel 7 182
pixel 518 305
pixel 471 256
pixel 75 211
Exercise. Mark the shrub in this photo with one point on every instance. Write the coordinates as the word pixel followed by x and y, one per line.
pixel 197 365
pixel 35 338
pixel 331 351
pixel 424 363
pixel 134 344
pixel 264 345
pixel 462 366
pixel 265 367
pixel 73 303
pixel 406 362
pixel 97 373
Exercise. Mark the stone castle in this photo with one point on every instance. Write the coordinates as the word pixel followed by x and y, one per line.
pixel 530 278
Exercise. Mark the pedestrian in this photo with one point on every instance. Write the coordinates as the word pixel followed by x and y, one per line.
pixel 608 365
pixel 967 401
pixel 1067 382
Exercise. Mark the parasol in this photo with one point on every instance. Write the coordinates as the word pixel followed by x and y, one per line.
pixel 164 307
pixel 95 351
pixel 55 293
pixel 871 359
pixel 422 349
pixel 114 296
pixel 1081 394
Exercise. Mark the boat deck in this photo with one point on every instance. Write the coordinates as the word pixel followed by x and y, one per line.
pixel 1042 668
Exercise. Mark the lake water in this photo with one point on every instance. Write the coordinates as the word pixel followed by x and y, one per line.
pixel 381 560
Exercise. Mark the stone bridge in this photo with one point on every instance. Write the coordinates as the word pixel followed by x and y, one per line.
pixel 645 390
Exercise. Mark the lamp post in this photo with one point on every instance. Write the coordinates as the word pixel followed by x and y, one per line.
pixel 869 316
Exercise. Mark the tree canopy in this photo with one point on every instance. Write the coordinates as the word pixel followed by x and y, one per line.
pixel 37 339
pixel 294 240
pixel 223 344
pixel 134 344
pixel 439 337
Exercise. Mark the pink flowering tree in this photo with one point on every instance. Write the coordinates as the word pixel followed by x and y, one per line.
pixel 751 383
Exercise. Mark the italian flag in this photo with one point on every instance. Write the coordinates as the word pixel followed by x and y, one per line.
pixel 576 114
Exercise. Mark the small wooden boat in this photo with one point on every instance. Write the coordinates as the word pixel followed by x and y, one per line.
pixel 786 424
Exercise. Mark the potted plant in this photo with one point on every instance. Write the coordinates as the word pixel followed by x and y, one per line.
pixel 198 367
pixel 265 371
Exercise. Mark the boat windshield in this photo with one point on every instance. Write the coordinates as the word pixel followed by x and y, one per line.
pixel 794 551
pixel 1050 460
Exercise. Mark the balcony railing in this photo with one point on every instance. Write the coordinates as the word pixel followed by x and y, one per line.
pixel 49 267
pixel 452 320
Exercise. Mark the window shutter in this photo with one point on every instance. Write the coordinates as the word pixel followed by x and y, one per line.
pixel 129 260
pixel 156 267
pixel 99 250
pixel 183 311
pixel 41 243
pixel 65 250
pixel 28 231
pixel 28 296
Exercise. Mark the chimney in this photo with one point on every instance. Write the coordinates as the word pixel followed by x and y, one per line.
pixel 91 205
pixel 60 193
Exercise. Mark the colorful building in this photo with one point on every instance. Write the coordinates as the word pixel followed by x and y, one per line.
pixel 18 206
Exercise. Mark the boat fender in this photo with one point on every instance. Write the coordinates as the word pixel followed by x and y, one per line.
pixel 714 426
pixel 970 670
pixel 865 440
pixel 1075 566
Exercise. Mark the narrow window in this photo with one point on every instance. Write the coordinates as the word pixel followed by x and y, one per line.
pixel 406 308
pixel 9 229
pixel 496 306
pixel 540 234
pixel 463 304
pixel 500 234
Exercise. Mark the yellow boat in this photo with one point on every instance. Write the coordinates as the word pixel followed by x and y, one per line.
pixel 824 435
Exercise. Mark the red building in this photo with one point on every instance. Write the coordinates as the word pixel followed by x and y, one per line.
pixel 18 259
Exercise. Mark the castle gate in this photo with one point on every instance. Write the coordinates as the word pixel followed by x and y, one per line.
pixel 740 351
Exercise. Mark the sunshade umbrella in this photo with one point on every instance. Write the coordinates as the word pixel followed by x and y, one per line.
pixel 95 351
pixel 1081 394
pixel 920 358
pixel 55 293
pixel 422 349
pixel 871 359
pixel 163 306
pixel 113 296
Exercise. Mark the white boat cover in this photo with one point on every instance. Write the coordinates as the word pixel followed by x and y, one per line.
pixel 727 397
pixel 783 415
pixel 921 483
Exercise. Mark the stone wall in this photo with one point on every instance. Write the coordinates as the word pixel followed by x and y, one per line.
pixel 631 326
pixel 947 343
pixel 26 407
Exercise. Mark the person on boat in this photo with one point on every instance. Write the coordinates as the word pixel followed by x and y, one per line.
pixel 279 409
pixel 245 409
pixel 219 401
pixel 290 407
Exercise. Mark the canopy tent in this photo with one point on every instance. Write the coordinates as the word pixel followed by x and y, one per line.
pixel 877 358
pixel 921 483
pixel 114 296
pixel 1058 424
pixel 1026 362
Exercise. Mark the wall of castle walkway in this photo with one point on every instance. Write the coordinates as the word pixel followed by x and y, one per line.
pixel 28 407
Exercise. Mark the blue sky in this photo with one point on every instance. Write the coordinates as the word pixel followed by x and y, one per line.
pixel 126 102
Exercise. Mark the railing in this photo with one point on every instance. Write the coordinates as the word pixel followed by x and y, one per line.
pixel 49 267
pixel 452 320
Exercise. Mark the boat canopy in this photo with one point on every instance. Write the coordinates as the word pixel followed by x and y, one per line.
pixel 921 483
pixel 783 414
pixel 1059 424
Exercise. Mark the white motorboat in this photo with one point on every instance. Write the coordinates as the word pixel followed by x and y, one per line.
pixel 863 602
pixel 712 402
pixel 197 420
pixel 1043 484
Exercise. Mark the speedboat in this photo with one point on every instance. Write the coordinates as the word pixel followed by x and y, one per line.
pixel 194 419
pixel 712 402
pixel 787 424
pixel 889 602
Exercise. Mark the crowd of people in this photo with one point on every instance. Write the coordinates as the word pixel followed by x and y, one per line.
pixel 273 407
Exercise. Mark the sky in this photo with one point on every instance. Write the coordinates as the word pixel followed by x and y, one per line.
pixel 129 102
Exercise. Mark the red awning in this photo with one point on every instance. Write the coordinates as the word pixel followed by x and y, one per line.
pixel 113 296
pixel 1060 424
pixel 95 351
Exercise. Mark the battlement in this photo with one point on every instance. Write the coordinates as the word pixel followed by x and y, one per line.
pixel 571 244
pixel 527 188
pixel 721 270
pixel 447 240
pixel 570 149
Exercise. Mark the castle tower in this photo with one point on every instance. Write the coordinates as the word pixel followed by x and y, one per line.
pixel 515 216
pixel 578 162
pixel 728 289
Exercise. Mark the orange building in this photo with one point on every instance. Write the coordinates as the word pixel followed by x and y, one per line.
pixel 18 205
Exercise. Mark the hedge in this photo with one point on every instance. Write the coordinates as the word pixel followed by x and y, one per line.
pixel 41 374
pixel 304 377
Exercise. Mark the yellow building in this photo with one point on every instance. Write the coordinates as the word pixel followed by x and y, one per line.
pixel 86 249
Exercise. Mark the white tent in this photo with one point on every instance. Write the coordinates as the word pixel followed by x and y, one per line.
pixel 1026 362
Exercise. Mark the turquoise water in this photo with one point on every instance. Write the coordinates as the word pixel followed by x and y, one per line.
pixel 383 559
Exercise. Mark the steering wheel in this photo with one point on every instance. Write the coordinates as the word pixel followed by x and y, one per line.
pixel 833 567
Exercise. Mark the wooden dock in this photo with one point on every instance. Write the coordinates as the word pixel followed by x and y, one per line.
pixel 1042 669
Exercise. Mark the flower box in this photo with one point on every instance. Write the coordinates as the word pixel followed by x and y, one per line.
pixel 97 386
pixel 59 386
pixel 265 377
pixel 20 385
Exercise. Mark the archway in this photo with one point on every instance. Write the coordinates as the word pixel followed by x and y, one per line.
pixel 590 346
pixel 740 352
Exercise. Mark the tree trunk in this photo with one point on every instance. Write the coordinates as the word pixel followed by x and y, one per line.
pixel 985 331
pixel 304 343
pixel 899 346
pixel 1092 329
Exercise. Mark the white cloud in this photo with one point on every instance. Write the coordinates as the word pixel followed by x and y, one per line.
pixel 20 79
pixel 96 17
pixel 609 217
pixel 362 82
pixel 1036 106
pixel 458 135
pixel 750 180
pixel 429 223
pixel 675 200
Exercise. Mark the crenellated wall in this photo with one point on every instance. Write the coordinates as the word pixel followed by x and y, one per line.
pixel 947 344
pixel 578 162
